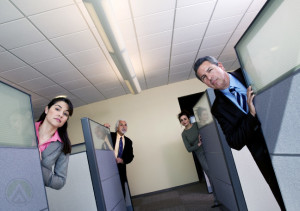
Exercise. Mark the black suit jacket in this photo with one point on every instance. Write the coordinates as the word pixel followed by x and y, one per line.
pixel 241 129
pixel 127 156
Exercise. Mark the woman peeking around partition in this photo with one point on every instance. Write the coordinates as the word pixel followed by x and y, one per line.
pixel 53 141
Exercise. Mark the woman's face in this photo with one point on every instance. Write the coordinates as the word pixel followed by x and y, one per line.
pixel 57 114
pixel 184 120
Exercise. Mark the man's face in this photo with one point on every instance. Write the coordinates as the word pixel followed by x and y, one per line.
pixel 122 128
pixel 214 76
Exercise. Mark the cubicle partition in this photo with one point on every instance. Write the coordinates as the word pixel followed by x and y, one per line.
pixel 104 172
pixel 93 181
pixel 78 193
pixel 221 164
pixel 271 64
pixel 21 183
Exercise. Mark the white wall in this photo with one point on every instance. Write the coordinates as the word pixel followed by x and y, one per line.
pixel 161 160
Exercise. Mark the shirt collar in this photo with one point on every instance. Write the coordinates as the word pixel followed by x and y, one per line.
pixel 55 137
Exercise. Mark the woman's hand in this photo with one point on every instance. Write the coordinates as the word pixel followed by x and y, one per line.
pixel 200 141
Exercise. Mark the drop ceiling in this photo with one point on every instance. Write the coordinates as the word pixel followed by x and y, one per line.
pixel 51 47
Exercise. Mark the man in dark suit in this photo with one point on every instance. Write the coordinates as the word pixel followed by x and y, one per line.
pixel 123 150
pixel 239 122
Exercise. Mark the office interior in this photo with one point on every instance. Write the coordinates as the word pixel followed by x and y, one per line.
pixel 61 52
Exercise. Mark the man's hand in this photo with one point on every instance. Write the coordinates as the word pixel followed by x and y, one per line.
pixel 250 96
pixel 106 125
pixel 120 160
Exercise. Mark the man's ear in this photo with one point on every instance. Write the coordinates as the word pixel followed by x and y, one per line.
pixel 221 66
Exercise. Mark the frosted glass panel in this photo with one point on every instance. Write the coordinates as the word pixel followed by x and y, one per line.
pixel 202 112
pixel 16 122
pixel 270 48
pixel 101 136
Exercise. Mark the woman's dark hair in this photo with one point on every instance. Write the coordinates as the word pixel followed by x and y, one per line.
pixel 62 131
pixel 182 113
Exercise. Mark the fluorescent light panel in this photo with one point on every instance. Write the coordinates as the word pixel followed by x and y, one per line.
pixel 102 16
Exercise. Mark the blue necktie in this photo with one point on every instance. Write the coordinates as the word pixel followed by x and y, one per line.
pixel 120 151
pixel 241 98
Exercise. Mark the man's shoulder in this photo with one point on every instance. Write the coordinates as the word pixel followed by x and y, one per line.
pixel 127 138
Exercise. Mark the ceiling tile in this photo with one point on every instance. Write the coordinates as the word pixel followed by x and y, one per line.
pixel 160 63
pixel 183 58
pixel 212 41
pixel 186 47
pixel 58 22
pixel 183 3
pixel 115 92
pixel 20 74
pixel 222 26
pixel 256 5
pixel 65 76
pixel 195 14
pixel 235 65
pixel 19 33
pixel 145 7
pixel 37 52
pixel 127 29
pixel 52 66
pixel 40 6
pixel 88 94
pixel 37 83
pixel 162 53
pixel 230 8
pixel 185 67
pixel 107 85
pixel 96 68
pixel 153 75
pixel 194 32
pixel 8 61
pixel 75 42
pixel 246 21
pixel 179 76
pixel 214 51
pixel 121 9
pixel 52 91
pixel 227 57
pixel 151 24
pixel 155 40
pixel 76 84
pixel 8 12
pixel 84 58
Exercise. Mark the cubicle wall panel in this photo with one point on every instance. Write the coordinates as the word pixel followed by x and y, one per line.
pixel 214 153
pixel 278 110
pixel 21 183
pixel 113 194
pixel 227 197
pixel 110 179
pixel 106 160
pixel 78 193
pixel 287 173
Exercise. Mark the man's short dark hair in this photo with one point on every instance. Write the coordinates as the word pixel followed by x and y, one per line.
pixel 197 64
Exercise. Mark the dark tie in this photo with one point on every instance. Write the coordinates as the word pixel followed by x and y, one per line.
pixel 241 98
pixel 120 148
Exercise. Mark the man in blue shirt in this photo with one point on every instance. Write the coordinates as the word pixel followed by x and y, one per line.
pixel 238 121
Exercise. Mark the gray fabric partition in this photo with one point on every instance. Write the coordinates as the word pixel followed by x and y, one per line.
pixel 221 164
pixel 21 183
pixel 78 193
pixel 278 109
pixel 104 173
